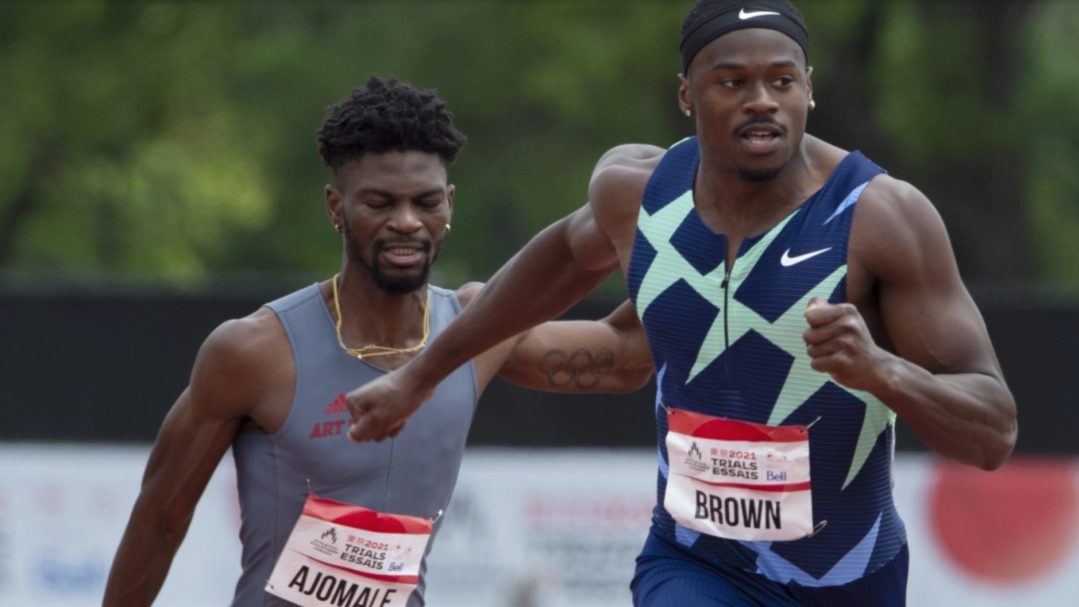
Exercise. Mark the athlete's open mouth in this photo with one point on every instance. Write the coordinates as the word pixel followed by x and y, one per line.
pixel 403 254
pixel 761 138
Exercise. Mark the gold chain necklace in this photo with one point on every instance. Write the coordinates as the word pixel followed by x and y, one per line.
pixel 372 351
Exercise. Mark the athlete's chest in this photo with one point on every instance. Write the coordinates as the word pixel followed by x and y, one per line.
pixel 699 295
pixel 680 268
pixel 313 443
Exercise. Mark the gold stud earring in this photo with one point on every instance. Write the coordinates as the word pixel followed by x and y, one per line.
pixel 448 228
pixel 340 229
pixel 689 113
pixel 812 104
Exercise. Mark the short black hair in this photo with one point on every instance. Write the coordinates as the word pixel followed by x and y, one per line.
pixel 704 9
pixel 387 116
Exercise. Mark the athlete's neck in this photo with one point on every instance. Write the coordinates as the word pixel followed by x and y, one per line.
pixel 370 315
pixel 730 204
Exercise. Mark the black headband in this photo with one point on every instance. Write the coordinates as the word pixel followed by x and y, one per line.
pixel 735 18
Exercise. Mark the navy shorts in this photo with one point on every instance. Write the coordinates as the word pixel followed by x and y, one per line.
pixel 669 575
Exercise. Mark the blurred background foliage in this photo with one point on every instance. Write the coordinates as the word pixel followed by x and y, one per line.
pixel 176 140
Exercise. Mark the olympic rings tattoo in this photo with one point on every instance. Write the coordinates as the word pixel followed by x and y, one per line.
pixel 581 368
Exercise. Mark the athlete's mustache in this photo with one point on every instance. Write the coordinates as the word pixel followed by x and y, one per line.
pixel 760 119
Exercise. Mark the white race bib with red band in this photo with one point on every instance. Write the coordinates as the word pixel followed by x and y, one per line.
pixel 738 480
pixel 341 555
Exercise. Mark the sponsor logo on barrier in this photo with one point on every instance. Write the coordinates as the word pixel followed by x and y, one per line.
pixel 983 523
pixel 69 574
pixel 51 500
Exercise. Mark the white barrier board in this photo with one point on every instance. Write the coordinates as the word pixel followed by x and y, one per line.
pixel 1002 539
pixel 64 508
pixel 543 528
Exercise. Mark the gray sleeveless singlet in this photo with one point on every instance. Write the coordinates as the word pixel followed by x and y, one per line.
pixel 413 474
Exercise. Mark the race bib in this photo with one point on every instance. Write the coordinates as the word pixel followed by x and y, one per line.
pixel 344 555
pixel 737 480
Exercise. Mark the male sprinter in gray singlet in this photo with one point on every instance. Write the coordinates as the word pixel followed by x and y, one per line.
pixel 272 385
pixel 796 299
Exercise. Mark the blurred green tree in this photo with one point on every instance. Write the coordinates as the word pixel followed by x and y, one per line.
pixel 177 138
pixel 120 146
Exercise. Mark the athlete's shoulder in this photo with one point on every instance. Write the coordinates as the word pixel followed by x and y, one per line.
pixel 621 176
pixel 888 201
pixel 467 292
pixel 632 156
pixel 633 162
pixel 247 337
pixel 896 226
pixel 241 360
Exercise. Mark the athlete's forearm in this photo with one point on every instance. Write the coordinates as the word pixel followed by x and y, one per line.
pixel 540 283
pixel 143 559
pixel 967 417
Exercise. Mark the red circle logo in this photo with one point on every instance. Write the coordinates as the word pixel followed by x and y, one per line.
pixel 1009 526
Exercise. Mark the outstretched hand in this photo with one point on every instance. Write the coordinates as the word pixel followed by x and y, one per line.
pixel 839 344
pixel 380 408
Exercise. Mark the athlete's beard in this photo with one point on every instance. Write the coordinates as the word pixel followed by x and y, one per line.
pixel 392 284
pixel 760 175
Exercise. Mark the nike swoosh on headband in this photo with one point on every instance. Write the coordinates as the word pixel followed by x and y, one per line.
pixel 743 15
pixel 789 261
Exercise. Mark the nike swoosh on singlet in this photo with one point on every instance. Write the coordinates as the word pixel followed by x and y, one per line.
pixel 789 261
pixel 743 15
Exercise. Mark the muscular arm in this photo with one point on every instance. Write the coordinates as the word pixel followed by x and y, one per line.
pixel 195 435
pixel 610 355
pixel 556 269
pixel 941 375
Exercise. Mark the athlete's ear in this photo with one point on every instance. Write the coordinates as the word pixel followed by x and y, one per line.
pixel 809 82
pixel 685 98
pixel 333 205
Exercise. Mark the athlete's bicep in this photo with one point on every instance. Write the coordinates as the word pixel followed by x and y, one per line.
pixel 590 245
pixel 926 309
pixel 201 425
pixel 185 455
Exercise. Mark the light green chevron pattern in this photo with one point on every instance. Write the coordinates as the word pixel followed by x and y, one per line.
pixel 802 382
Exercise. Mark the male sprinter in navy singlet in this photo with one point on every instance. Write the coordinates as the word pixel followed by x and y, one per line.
pixel 795 298
pixel 272 385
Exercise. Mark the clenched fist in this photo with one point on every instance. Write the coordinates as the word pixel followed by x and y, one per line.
pixel 839 343
pixel 380 408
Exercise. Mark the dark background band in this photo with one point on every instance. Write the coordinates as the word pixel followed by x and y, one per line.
pixel 106 366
